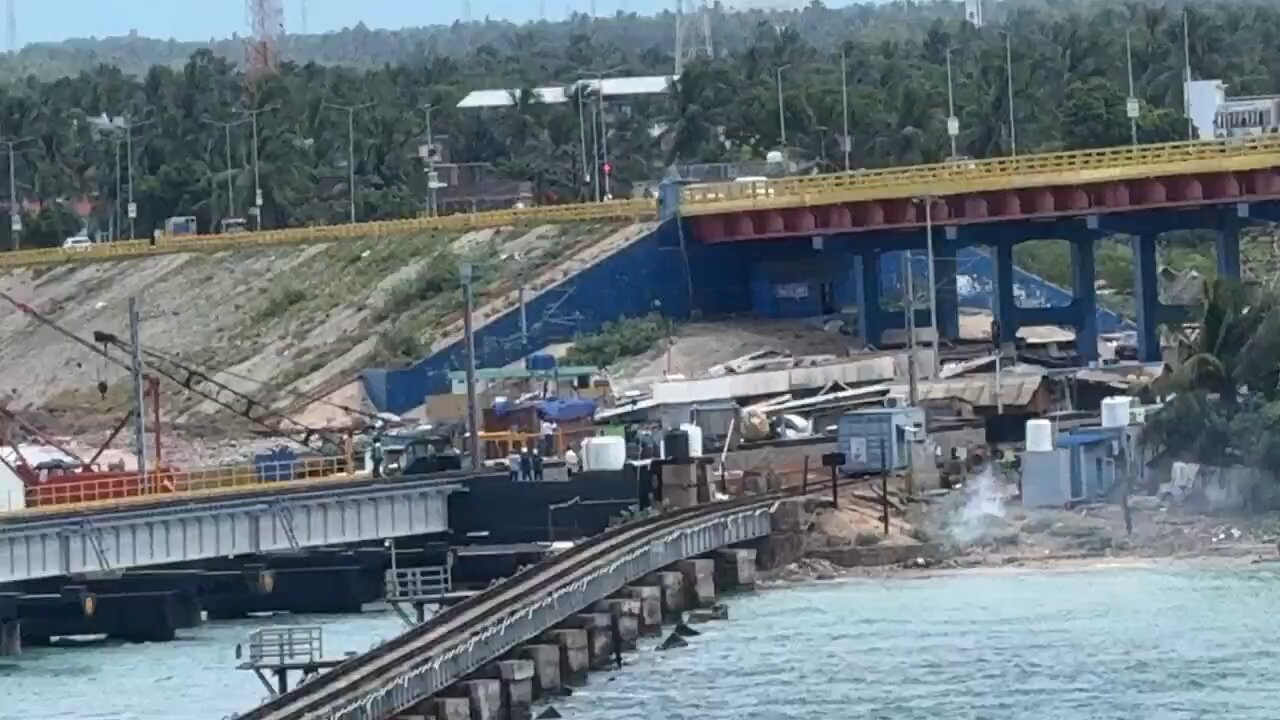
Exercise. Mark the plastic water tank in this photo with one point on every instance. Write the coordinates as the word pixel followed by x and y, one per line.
pixel 675 445
pixel 1115 411
pixel 695 439
pixel 604 453
pixel 1039 435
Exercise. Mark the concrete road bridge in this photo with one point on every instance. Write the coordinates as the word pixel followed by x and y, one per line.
pixel 405 676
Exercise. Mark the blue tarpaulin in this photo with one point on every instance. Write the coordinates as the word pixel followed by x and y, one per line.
pixel 553 409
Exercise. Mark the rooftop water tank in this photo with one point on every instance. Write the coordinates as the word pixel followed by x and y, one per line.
pixel 1039 435
pixel 540 362
pixel 695 438
pixel 1115 411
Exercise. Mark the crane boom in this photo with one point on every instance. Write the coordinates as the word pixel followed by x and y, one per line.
pixel 189 378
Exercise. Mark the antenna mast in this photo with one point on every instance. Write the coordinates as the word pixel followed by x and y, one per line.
pixel 11 18
pixel 266 25
pixel 693 34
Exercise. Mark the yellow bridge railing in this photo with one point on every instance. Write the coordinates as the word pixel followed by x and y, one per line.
pixel 969 176
pixel 635 210
pixel 68 493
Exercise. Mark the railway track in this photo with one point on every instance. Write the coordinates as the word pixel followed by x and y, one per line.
pixel 361 688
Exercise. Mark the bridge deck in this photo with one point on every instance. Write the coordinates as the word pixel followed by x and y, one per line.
pixel 942 179
pixel 1084 167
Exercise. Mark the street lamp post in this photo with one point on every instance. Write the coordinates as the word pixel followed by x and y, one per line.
pixel 1013 125
pixel 953 122
pixel 132 208
pixel 257 179
pixel 350 110
pixel 782 114
pixel 1131 106
pixel 15 216
pixel 226 128
pixel 844 101
pixel 431 161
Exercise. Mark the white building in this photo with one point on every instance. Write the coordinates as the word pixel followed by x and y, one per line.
pixel 1217 116
pixel 973 12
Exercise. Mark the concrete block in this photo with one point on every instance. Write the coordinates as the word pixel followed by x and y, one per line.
pixel 590 620
pixel 650 598
pixel 600 647
pixel 517 687
pixel 575 658
pixel 485 697
pixel 451 708
pixel 700 579
pixel 671 583
pixel 735 568
pixel 546 667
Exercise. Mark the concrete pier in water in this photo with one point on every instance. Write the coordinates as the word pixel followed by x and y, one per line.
pixel 564 656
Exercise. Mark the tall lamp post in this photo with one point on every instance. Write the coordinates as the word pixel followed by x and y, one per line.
pixel 953 122
pixel 257 178
pixel 350 110
pixel 1013 124
pixel 15 216
pixel 432 178
pixel 782 110
pixel 844 102
pixel 226 128
pixel 1131 105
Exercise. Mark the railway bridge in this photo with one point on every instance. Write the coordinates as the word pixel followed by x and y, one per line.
pixel 418 673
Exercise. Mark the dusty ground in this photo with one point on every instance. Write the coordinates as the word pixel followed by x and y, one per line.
pixel 698 346
pixel 284 323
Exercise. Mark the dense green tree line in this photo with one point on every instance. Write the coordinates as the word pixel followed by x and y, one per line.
pixel 1069 83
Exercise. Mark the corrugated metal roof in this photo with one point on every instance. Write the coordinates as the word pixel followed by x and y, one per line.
pixel 553 95
pixel 507 97
pixel 979 390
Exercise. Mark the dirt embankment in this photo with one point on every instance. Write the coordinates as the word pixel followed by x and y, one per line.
pixel 982 526
pixel 279 323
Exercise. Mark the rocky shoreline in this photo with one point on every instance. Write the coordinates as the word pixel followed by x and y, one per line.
pixel 814 542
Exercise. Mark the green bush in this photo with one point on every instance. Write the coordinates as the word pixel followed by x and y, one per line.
pixel 281 298
pixel 623 338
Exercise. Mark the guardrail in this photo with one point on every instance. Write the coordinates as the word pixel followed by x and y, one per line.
pixel 612 210
pixel 66 493
pixel 966 176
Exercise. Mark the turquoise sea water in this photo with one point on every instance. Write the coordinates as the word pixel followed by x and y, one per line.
pixel 1151 642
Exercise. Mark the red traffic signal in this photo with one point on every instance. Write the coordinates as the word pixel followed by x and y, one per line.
pixel 608 169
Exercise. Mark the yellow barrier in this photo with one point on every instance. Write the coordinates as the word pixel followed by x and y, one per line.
pixel 102 493
pixel 635 210
pixel 969 176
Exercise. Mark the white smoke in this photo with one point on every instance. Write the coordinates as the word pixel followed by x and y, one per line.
pixel 972 522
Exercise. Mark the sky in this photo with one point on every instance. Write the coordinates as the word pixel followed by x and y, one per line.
pixel 51 20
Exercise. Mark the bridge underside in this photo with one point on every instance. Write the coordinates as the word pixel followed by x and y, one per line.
pixel 850 243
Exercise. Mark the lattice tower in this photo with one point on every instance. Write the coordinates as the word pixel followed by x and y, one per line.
pixel 693 31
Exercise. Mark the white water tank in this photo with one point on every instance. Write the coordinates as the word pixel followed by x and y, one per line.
pixel 606 452
pixel 1039 435
pixel 695 439
pixel 1115 411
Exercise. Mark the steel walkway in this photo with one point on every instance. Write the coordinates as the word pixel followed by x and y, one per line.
pixel 203 528
pixel 402 672
pixel 942 179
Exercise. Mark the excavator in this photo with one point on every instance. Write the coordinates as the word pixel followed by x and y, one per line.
pixel 61 482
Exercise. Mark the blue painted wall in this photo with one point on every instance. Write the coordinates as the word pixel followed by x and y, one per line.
pixel 727 279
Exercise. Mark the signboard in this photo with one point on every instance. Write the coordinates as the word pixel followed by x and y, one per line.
pixel 791 291
pixel 953 126
pixel 257 198
pixel 15 222
pixel 133 211
pixel 1131 108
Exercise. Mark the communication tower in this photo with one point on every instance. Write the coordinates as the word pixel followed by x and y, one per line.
pixel 266 26
pixel 693 31
pixel 11 28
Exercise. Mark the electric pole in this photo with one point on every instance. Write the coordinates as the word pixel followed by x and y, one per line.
pixel 473 409
pixel 257 178
pixel 350 110
pixel 15 213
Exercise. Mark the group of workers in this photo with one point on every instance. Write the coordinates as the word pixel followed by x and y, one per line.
pixel 525 464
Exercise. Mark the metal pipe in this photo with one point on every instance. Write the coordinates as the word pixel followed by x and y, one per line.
pixel 473 410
